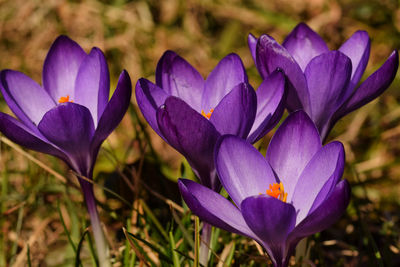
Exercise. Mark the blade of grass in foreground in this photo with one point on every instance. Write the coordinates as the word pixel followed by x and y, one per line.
pixel 154 219
pixel 196 242
pixel 78 250
pixel 28 256
pixel 129 256
pixel 65 227
pixel 135 247
pixel 162 255
pixel 175 256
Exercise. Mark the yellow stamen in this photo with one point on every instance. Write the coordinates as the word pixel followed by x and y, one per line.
pixel 207 115
pixel 277 191
pixel 64 99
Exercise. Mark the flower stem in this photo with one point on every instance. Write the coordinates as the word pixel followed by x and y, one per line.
pixel 101 244
pixel 205 243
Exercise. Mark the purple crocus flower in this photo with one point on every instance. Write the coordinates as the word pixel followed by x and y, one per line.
pixel 295 191
pixel 191 114
pixel 322 82
pixel 70 115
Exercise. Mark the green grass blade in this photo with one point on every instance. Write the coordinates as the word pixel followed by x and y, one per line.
pixel 228 261
pixel 65 227
pixel 181 227
pixel 28 256
pixel 78 249
pixel 153 218
pixel 175 257
pixel 196 242
pixel 153 247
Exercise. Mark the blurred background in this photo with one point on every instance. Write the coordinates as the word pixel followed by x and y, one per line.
pixel 39 197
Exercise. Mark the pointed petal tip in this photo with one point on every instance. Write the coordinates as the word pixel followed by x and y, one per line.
pixel 63 40
pixel 251 38
pixel 125 78
pixel 395 56
pixel 303 26
pixel 169 53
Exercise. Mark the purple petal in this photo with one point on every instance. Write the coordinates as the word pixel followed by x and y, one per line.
pixel 236 112
pixel 20 134
pixel 304 44
pixel 70 127
pixel 291 148
pixel 192 135
pixel 212 208
pixel 327 163
pixel 25 97
pixel 61 68
pixel 325 215
pixel 271 220
pixel 92 86
pixel 357 48
pixel 178 78
pixel 270 56
pixel 226 75
pixel 252 43
pixel 149 98
pixel 372 87
pixel 270 105
pixel 113 112
pixel 242 170
pixel 327 78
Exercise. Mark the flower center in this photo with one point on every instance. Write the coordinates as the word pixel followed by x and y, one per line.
pixel 277 191
pixel 64 99
pixel 207 115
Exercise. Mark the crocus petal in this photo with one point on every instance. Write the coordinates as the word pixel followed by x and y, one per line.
pixel 304 44
pixel 25 97
pixel 270 56
pixel 149 98
pixel 357 48
pixel 20 134
pixel 114 111
pixel 252 43
pixel 211 207
pixel 178 78
pixel 327 78
pixel 372 87
pixel 225 76
pixel 271 220
pixel 291 148
pixel 325 215
pixel 70 127
pixel 192 135
pixel 242 170
pixel 92 86
pixel 327 162
pixel 270 105
pixel 236 112
pixel 61 68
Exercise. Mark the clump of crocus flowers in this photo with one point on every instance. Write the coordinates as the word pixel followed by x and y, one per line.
pixel 294 191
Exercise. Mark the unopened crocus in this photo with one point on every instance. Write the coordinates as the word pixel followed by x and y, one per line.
pixel 293 192
pixel 191 113
pixel 322 82
pixel 69 115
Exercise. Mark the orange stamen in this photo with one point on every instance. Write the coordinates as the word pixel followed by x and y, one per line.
pixel 277 191
pixel 207 115
pixel 64 99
